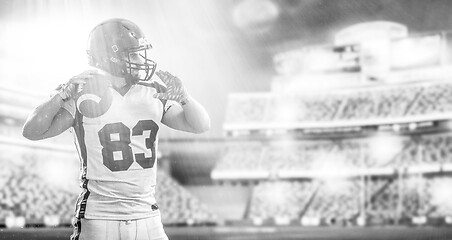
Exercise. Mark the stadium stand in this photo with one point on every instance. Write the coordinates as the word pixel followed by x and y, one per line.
pixel 359 106
pixel 178 206
pixel 417 153
pixel 345 180
pixel 381 200
pixel 24 193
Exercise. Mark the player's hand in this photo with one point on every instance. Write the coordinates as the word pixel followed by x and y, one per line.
pixel 75 84
pixel 175 90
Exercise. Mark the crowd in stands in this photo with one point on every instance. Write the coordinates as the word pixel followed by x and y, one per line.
pixel 24 193
pixel 415 184
pixel 347 154
pixel 241 157
pixel 335 200
pixel 374 104
pixel 279 199
pixel 178 206
pixel 381 201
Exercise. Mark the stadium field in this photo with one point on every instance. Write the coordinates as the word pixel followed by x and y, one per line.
pixel 266 233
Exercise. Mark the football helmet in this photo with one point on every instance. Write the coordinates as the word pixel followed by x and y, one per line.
pixel 118 46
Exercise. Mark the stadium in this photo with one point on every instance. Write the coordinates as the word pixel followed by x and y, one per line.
pixel 330 119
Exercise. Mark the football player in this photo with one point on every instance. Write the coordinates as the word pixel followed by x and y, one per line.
pixel 115 126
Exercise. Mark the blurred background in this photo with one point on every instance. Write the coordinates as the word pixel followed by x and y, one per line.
pixel 326 114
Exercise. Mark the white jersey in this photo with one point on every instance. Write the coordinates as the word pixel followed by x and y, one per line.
pixel 118 154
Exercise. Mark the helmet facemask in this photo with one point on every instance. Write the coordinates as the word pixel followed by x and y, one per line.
pixel 139 67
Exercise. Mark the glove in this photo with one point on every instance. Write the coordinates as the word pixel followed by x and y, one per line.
pixel 175 90
pixel 74 85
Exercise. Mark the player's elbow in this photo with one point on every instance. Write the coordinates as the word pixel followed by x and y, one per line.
pixel 203 127
pixel 206 127
pixel 30 134
pixel 26 134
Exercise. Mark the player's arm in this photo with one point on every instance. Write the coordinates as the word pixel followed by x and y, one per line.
pixel 190 115
pixel 47 120
pixel 50 118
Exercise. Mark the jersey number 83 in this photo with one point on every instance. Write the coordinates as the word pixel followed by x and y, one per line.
pixel 121 143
